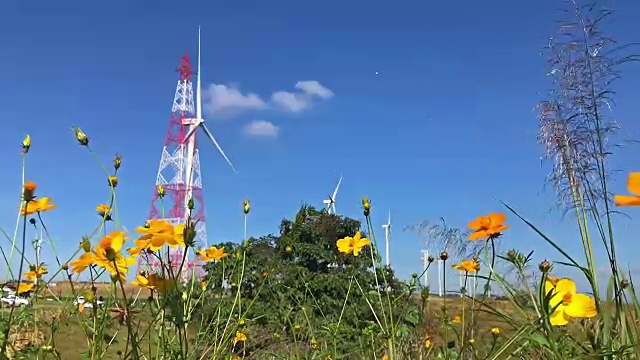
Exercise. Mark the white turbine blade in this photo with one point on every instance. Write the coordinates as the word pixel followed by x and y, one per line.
pixel 198 90
pixel 326 202
pixel 210 136
pixel 333 205
pixel 335 192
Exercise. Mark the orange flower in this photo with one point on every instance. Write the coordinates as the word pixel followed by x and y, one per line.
pixel 456 319
pixel 39 205
pixel 489 226
pixel 470 266
pixel 633 185
pixel 212 254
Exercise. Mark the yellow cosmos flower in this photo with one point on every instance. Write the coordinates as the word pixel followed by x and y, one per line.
pixel 488 226
pixel 160 232
pixel 568 303
pixel 240 337
pixel 35 272
pixel 352 245
pixel 103 210
pixel 25 287
pixel 106 255
pixel 141 245
pixel 212 254
pixel 153 282
pixel 38 205
pixel 456 319
pixel 495 331
pixel 470 266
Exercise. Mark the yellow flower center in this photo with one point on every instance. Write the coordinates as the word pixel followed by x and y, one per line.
pixel 566 299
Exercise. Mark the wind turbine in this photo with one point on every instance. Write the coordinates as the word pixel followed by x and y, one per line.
pixel 194 124
pixel 387 234
pixel 425 267
pixel 331 201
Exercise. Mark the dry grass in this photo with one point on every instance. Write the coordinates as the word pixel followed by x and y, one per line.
pixel 69 337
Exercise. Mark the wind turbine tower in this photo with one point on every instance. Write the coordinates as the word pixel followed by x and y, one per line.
pixel 387 234
pixel 425 267
pixel 331 201
pixel 179 172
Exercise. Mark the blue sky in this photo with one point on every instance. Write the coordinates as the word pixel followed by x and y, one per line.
pixel 444 129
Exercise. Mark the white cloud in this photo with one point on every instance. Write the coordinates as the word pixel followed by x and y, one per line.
pixel 313 87
pixel 261 128
pixel 293 102
pixel 229 98
pixel 303 99
pixel 219 97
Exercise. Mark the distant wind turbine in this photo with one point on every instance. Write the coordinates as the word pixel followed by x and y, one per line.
pixel 387 234
pixel 331 201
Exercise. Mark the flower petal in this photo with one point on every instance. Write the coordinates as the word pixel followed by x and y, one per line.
pixel 566 285
pixel 633 183
pixel 559 318
pixel 497 219
pixel 626 200
pixel 581 306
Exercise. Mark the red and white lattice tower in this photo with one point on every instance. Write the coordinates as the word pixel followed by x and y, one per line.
pixel 179 174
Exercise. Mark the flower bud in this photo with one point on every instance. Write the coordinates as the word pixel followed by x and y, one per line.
pixel 85 244
pixel 246 207
pixel 288 249
pixel 430 258
pixel 117 161
pixel 160 191
pixel 366 206
pixel 545 266
pixel 191 204
pixel 444 256
pixel 624 283
pixel 26 144
pixel 82 138
pixel 113 181
pixel 29 189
